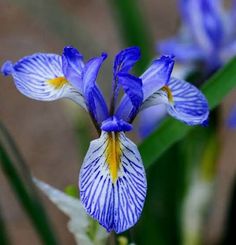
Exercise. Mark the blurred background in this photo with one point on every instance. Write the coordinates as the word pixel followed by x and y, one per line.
pixel 53 137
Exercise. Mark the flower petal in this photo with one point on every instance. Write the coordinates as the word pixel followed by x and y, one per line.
pixel 154 78
pixel 228 52
pixel 133 89
pixel 231 122
pixel 112 124
pixel 203 18
pixel 40 76
pixel 189 104
pixel 184 102
pixel 125 60
pixel 112 182
pixel 182 50
pixel 94 98
pixel 150 119
pixel 157 75
pixel 73 66
pixel 79 222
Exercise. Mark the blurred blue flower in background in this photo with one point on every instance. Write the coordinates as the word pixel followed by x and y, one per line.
pixel 112 178
pixel 207 34
pixel 207 39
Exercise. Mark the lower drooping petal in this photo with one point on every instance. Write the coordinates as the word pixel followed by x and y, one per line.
pixel 39 76
pixel 189 104
pixel 183 100
pixel 112 182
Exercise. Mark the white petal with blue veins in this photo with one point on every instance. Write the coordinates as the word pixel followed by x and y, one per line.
pixel 183 101
pixel 112 182
pixel 39 76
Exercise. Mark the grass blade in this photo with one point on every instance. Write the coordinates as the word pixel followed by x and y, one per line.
pixel 19 178
pixel 4 239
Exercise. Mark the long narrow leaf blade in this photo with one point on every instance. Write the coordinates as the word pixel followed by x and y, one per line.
pixel 172 131
pixel 19 178
pixel 4 238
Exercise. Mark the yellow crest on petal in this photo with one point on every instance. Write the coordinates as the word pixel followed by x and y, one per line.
pixel 58 82
pixel 113 154
pixel 169 93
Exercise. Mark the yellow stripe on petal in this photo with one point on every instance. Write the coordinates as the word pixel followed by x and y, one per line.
pixel 113 155
pixel 169 93
pixel 58 82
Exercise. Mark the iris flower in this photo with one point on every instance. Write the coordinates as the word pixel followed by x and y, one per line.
pixel 206 41
pixel 207 34
pixel 112 178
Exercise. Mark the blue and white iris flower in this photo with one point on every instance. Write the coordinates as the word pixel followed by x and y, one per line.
pixel 112 178
pixel 207 34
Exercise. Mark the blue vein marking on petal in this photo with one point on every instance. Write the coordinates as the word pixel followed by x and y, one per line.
pixel 118 205
pixel 190 105
pixel 32 73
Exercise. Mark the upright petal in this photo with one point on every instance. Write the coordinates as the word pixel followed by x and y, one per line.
pixel 125 60
pixel 112 182
pixel 157 75
pixel 40 76
pixel 94 98
pixel 183 100
pixel 73 66
pixel 154 78
pixel 133 89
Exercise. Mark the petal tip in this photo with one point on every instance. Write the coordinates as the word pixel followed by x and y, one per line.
pixel 70 51
pixel 168 57
pixel 104 55
pixel 205 123
pixel 7 68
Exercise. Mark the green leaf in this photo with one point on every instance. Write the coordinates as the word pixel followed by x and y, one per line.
pixel 133 29
pixel 158 222
pixel 3 232
pixel 20 180
pixel 172 130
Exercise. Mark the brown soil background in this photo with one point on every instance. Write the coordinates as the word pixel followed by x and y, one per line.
pixel 44 132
